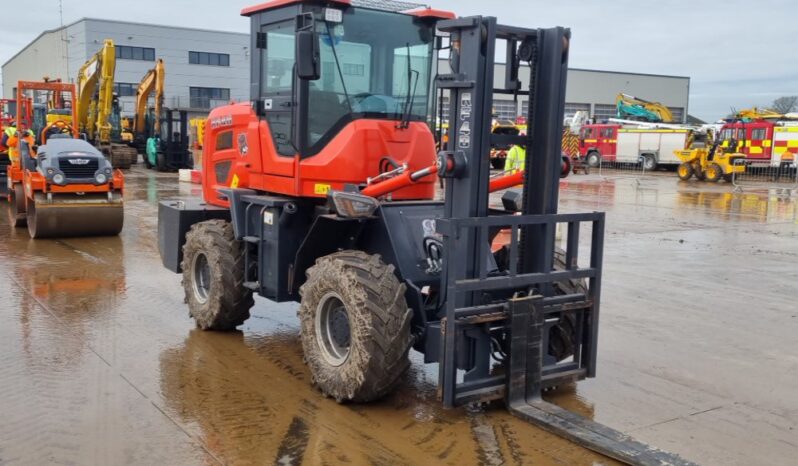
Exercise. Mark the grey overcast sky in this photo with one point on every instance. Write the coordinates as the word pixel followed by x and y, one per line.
pixel 738 53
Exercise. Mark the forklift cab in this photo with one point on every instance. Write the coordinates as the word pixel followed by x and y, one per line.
pixel 316 69
pixel 168 150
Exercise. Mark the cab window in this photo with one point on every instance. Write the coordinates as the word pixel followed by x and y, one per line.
pixel 224 140
pixel 758 134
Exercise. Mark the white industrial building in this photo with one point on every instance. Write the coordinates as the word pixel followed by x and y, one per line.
pixel 208 68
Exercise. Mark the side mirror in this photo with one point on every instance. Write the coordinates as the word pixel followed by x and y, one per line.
pixel 307 55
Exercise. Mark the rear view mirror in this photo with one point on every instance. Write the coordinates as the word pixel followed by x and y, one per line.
pixel 307 55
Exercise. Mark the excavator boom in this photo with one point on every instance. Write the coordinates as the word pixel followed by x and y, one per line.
pixel 152 81
pixel 96 93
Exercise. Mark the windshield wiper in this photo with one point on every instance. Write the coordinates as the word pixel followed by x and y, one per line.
pixel 411 96
pixel 338 66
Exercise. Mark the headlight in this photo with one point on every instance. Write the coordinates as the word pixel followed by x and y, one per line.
pixel 353 205
pixel 58 178
pixel 100 178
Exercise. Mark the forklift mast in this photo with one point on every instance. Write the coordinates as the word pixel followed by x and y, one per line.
pixel 476 316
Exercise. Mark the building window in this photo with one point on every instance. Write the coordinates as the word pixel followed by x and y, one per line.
pixel 209 58
pixel 678 114
pixel 125 89
pixel 126 52
pixel 572 108
pixel 505 110
pixel 208 97
pixel 603 112
pixel 354 69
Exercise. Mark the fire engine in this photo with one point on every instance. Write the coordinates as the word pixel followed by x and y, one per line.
pixel 775 142
pixel 653 147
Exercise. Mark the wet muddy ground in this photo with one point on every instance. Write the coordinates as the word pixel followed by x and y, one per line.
pixel 100 364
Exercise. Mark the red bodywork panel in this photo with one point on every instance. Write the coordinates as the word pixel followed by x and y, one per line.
pixel 351 157
pixel 273 4
pixel 602 138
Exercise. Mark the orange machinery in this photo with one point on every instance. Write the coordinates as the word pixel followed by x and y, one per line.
pixel 63 186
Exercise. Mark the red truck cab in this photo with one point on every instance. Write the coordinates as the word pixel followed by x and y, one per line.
pixel 598 142
pixel 753 138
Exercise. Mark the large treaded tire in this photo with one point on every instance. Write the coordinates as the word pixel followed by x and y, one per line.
pixel 563 334
pixel 227 302
pixel 379 323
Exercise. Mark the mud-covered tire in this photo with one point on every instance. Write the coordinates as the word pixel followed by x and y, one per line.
pixel 378 321
pixel 213 276
pixel 562 337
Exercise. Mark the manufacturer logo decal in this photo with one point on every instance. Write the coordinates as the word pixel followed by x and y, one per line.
pixel 226 120
pixel 78 161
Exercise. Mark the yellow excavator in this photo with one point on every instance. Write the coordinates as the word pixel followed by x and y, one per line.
pixel 98 109
pixel 755 113
pixel 630 107
pixel 143 129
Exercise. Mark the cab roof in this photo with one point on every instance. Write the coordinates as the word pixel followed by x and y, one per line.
pixel 393 6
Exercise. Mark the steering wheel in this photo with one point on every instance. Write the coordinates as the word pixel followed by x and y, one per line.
pixel 368 102
pixel 56 127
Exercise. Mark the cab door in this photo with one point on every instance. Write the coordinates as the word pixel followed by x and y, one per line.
pixel 607 140
pixel 758 140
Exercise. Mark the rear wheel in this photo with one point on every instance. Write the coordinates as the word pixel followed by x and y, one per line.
pixel 213 276
pixel 685 171
pixel 16 206
pixel 649 162
pixel 355 326
pixel 714 173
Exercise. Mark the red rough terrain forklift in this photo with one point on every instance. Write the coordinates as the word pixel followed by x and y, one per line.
pixel 321 191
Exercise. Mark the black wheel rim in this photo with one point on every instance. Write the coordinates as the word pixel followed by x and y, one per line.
pixel 201 278
pixel 333 331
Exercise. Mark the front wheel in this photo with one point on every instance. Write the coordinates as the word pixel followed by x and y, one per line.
pixel 213 276
pixel 714 173
pixel 593 159
pixel 355 326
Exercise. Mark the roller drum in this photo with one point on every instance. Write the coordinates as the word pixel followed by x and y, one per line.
pixel 75 215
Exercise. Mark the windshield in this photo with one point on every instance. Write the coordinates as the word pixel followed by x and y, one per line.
pixel 373 65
